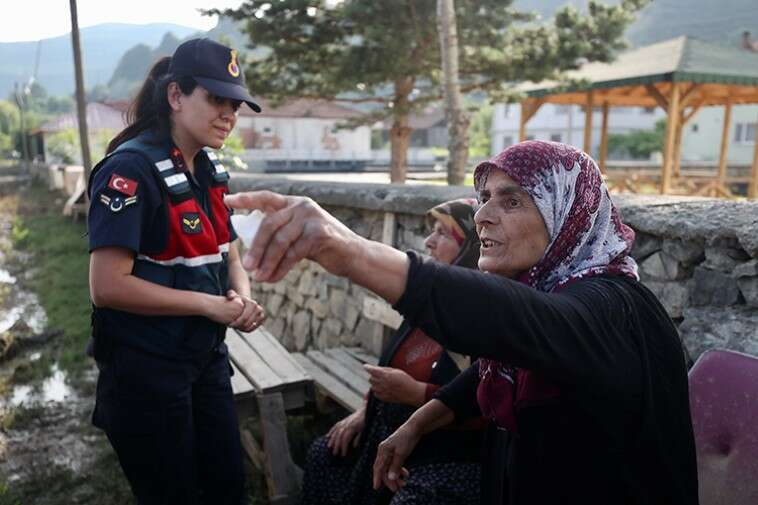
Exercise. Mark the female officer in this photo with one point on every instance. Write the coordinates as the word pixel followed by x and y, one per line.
pixel 166 281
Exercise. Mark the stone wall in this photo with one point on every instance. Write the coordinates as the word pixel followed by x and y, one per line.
pixel 699 256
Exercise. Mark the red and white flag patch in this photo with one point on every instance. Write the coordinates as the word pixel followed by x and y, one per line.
pixel 122 184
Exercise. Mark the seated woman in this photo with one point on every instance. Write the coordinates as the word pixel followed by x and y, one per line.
pixel 581 370
pixel 412 367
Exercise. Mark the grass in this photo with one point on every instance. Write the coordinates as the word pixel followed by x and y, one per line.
pixel 60 259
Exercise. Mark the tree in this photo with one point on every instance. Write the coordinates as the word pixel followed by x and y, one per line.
pixel 638 144
pixel 386 52
pixel 457 118
pixel 481 141
pixel 9 125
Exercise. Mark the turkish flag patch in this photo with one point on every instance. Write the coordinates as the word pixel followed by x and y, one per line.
pixel 122 184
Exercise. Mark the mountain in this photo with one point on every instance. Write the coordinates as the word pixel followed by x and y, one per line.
pixel 102 47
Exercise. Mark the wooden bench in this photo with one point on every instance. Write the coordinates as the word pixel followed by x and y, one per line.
pixel 267 383
pixel 338 374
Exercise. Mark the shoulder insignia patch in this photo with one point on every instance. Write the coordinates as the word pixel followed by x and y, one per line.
pixel 117 203
pixel 191 223
pixel 122 184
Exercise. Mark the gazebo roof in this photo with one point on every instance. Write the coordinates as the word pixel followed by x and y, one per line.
pixel 723 73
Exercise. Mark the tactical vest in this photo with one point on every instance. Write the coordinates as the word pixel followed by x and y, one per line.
pixel 194 258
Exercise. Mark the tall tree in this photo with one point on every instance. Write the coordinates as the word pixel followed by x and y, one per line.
pixel 387 53
pixel 457 118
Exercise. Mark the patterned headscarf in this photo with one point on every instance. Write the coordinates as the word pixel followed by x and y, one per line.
pixel 587 238
pixel 458 217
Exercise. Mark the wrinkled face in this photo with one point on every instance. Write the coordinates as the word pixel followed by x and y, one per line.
pixel 441 244
pixel 202 118
pixel 510 227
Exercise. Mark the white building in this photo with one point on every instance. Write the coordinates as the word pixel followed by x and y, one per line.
pixel 303 135
pixel 565 123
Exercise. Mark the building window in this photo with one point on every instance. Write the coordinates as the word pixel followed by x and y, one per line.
pixel 648 110
pixel 562 110
pixel 266 129
pixel 530 137
pixel 507 141
pixel 507 110
pixel 695 128
pixel 556 137
pixel 744 133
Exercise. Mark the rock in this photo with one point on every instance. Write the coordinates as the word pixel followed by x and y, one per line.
pixel 319 308
pixel 364 334
pixel 276 328
pixel 273 305
pixel 323 291
pixel 662 266
pixel 674 296
pixel 280 288
pixel 734 328
pixel 349 316
pixel 337 302
pixel 330 333
pixel 723 259
pixel 307 286
pixel 645 245
pixel 749 289
pixel 747 269
pixel 713 288
pixel 292 277
pixel 688 252
pixel 301 330
pixel 295 296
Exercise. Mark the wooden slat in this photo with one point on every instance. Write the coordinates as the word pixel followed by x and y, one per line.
pixel 361 355
pixel 240 384
pixel 330 385
pixel 275 355
pixel 341 355
pixel 251 364
pixel 340 371
pixel 283 475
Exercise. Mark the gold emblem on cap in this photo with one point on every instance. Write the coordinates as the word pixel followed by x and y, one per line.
pixel 233 68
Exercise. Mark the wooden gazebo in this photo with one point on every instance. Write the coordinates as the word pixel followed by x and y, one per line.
pixel 680 75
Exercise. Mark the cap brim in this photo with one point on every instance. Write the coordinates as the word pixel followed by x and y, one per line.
pixel 228 90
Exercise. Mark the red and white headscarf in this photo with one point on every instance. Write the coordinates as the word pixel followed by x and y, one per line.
pixel 587 238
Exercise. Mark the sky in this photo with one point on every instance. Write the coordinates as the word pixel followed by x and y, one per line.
pixel 25 20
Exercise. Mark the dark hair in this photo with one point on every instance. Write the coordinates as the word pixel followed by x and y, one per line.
pixel 150 108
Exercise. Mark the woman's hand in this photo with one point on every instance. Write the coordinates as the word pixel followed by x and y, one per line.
pixel 393 385
pixel 390 456
pixel 252 314
pixel 345 431
pixel 223 310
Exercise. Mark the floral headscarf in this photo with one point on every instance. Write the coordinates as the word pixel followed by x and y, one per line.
pixel 587 238
pixel 458 217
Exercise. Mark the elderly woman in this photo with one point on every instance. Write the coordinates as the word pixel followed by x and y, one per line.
pixel 581 368
pixel 444 466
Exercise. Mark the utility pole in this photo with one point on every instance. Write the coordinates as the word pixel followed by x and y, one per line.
pixel 457 118
pixel 81 104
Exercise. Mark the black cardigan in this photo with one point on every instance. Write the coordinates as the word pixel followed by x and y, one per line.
pixel 620 432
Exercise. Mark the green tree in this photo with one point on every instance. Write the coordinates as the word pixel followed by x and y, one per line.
pixel 638 144
pixel 9 125
pixel 481 123
pixel 387 52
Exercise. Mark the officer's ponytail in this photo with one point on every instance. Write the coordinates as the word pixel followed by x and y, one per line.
pixel 150 108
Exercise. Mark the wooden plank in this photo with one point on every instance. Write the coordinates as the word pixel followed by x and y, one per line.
pixel 380 311
pixel 361 355
pixel 251 364
pixel 252 448
pixel 344 357
pixel 604 138
pixel 588 123
pixel 331 386
pixel 240 384
pixel 275 355
pixel 670 142
pixel 724 142
pixel 752 189
pixel 656 95
pixel 340 371
pixel 283 476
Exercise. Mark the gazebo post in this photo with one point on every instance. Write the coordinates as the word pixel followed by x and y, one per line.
pixel 669 145
pixel 752 190
pixel 678 146
pixel 604 137
pixel 529 107
pixel 724 145
pixel 588 124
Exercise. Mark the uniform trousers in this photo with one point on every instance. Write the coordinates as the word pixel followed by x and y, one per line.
pixel 173 426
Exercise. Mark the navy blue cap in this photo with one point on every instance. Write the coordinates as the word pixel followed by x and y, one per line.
pixel 215 67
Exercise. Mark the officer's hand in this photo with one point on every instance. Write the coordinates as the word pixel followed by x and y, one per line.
pixel 224 310
pixel 294 228
pixel 252 315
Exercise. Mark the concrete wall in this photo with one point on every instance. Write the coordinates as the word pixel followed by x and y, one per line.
pixel 699 256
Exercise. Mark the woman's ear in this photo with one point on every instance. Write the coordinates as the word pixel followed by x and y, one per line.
pixel 174 96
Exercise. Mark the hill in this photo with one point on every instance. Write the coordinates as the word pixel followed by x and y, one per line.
pixel 102 45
